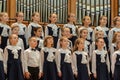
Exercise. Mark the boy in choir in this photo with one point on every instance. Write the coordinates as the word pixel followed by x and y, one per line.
pixel 32 61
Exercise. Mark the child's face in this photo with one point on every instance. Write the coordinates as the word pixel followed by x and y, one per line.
pixel 118 37
pixel 15 30
pixel 72 18
pixel 36 17
pixel 81 45
pixel 118 21
pixel 87 20
pixel 100 43
pixel 38 33
pixel 5 17
pixel 53 18
pixel 50 41
pixel 84 34
pixel 33 42
pixel 20 17
pixel 66 32
pixel 64 42
pixel 100 34
pixel 13 39
pixel 103 21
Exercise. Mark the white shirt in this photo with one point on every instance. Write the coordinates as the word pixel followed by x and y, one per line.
pixel 113 60
pixel 54 29
pixel 51 55
pixel 73 27
pixel 90 30
pixel 15 52
pixel 5 30
pixel 32 58
pixel 84 60
pixel 67 59
pixel 40 45
pixel 30 28
pixel 102 53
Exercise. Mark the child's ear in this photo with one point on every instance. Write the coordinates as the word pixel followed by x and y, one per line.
pixel 49 18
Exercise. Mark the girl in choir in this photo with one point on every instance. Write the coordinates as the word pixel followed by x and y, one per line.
pixel 116 28
pixel 65 32
pixel 49 64
pixel 71 25
pixel 52 29
pixel 34 24
pixel 2 77
pixel 64 61
pixel 102 27
pixel 86 24
pixel 5 30
pixel 100 61
pixel 13 59
pixel 116 38
pixel 116 63
pixel 15 30
pixel 80 61
pixel 87 45
pixel 32 61
pixel 98 34
pixel 22 27
pixel 38 33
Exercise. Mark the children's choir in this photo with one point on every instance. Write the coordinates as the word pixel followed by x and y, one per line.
pixel 59 53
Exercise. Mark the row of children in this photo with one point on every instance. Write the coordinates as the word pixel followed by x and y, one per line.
pixel 56 64
pixel 69 31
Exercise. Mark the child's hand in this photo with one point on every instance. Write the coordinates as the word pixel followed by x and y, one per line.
pixel 59 74
pixel 75 73
pixel 39 75
pixel 27 75
pixel 95 76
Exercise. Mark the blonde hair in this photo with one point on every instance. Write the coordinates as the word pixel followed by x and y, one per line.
pixel 45 41
pixel 2 14
pixel 10 37
pixel 32 38
pixel 114 37
pixel 77 42
pixel 97 32
pixel 115 20
pixel 61 39
pixel 14 26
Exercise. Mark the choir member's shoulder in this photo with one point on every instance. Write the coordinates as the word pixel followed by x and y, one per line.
pixel 117 52
pixel 1 50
